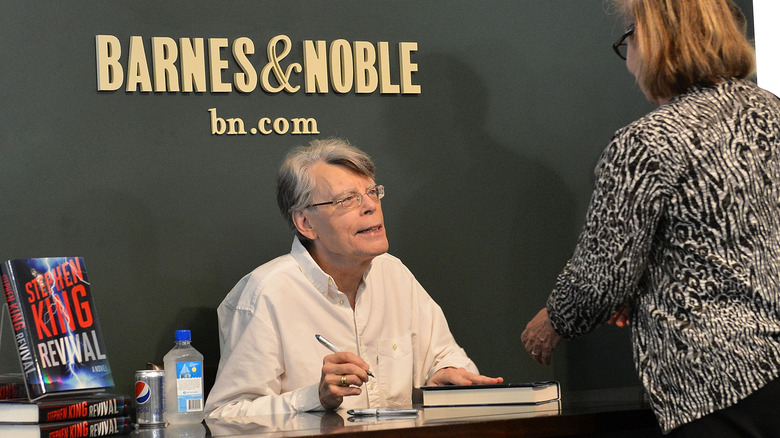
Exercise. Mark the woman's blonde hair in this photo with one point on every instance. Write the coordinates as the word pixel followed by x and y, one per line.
pixel 688 42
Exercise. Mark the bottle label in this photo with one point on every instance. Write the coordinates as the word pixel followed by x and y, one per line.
pixel 189 386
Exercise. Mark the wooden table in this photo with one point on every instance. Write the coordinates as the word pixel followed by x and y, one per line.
pixel 578 416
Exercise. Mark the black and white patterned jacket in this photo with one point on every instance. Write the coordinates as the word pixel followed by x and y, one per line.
pixel 684 227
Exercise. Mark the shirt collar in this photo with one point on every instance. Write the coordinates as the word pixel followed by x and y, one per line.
pixel 323 282
pixel 318 278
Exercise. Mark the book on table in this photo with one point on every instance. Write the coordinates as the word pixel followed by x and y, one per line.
pixel 435 414
pixel 64 408
pixel 503 393
pixel 87 428
pixel 55 326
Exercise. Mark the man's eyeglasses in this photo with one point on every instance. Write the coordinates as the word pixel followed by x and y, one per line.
pixel 355 200
pixel 621 46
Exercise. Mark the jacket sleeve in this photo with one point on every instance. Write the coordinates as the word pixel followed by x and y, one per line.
pixel 633 183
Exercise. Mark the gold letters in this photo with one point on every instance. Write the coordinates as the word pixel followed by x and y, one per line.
pixel 202 65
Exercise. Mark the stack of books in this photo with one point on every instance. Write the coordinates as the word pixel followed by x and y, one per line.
pixel 72 416
pixel 64 374
pixel 491 401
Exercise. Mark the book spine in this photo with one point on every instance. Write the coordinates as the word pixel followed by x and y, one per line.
pixel 12 390
pixel 88 428
pixel 22 336
pixel 109 406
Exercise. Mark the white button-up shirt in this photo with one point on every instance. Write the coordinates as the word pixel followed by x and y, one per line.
pixel 271 362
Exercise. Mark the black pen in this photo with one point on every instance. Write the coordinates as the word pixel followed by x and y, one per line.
pixel 333 348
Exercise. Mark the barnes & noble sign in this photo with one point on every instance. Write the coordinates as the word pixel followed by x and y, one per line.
pixel 199 65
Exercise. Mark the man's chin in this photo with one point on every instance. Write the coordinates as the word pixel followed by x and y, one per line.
pixel 379 248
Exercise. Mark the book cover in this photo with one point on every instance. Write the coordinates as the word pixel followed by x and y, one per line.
pixel 67 408
pixel 55 324
pixel 504 393
pixel 95 427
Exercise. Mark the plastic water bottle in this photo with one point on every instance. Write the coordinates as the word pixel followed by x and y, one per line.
pixel 183 382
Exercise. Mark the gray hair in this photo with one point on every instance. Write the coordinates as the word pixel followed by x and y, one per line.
pixel 295 184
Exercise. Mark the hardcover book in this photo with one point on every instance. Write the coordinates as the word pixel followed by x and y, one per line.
pixel 435 414
pixel 55 323
pixel 95 427
pixel 504 393
pixel 64 408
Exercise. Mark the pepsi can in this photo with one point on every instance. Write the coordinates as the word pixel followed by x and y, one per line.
pixel 149 397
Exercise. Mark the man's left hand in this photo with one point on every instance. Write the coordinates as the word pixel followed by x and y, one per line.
pixel 461 376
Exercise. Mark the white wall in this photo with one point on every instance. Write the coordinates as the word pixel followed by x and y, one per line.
pixel 766 14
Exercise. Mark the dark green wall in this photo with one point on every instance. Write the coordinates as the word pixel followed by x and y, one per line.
pixel 488 170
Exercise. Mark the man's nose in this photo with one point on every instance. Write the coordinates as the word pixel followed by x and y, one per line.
pixel 368 204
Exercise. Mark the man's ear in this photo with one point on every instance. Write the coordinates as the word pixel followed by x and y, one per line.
pixel 303 225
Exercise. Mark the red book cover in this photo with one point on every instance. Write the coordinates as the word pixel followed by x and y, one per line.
pixel 56 327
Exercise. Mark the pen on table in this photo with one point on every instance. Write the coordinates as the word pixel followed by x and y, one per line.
pixel 380 412
pixel 333 348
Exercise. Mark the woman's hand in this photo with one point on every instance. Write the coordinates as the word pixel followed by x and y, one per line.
pixel 620 318
pixel 539 338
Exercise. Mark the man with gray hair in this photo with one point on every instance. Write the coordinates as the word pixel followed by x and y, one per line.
pixel 338 281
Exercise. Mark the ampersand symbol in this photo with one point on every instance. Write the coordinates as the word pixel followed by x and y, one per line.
pixel 282 77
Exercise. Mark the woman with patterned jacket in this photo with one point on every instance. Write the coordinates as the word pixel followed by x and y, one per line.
pixel 682 235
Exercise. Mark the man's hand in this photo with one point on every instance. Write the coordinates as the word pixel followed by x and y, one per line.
pixel 540 338
pixel 342 375
pixel 461 376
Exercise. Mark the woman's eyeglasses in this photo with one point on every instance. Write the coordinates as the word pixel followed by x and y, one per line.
pixel 621 46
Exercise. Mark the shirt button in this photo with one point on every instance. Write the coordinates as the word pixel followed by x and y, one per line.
pixel 371 386
pixel 330 281
pixel 395 347
pixel 341 302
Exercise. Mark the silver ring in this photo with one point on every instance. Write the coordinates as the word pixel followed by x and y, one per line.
pixel 343 380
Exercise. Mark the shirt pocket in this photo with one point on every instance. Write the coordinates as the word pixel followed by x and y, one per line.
pixel 395 366
pixel 393 349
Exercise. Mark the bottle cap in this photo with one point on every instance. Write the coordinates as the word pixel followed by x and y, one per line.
pixel 183 335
